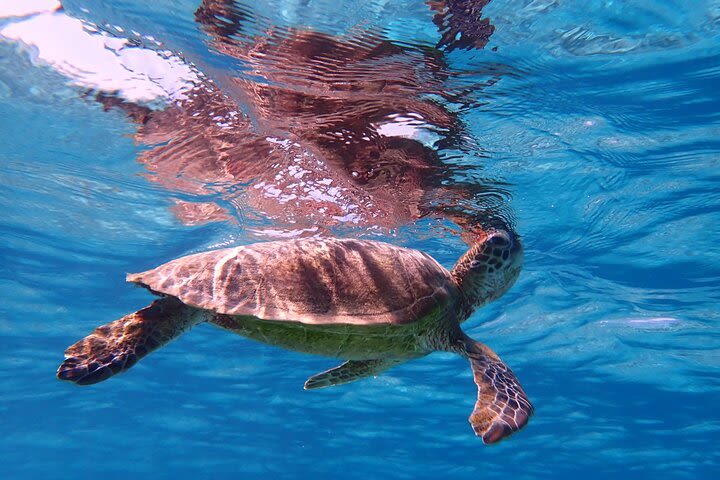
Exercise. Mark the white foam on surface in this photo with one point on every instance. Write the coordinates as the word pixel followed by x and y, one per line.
pixel 21 8
pixel 101 62
pixel 411 127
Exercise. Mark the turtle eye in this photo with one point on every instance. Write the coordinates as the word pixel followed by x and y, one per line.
pixel 476 264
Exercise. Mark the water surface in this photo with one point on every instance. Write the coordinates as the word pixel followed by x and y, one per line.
pixel 593 126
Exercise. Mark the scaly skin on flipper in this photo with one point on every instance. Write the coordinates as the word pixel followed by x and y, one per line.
pixel 117 346
pixel 349 372
pixel 502 407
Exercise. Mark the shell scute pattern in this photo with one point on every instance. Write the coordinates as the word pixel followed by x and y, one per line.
pixel 311 280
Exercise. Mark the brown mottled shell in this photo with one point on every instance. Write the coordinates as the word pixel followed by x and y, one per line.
pixel 312 280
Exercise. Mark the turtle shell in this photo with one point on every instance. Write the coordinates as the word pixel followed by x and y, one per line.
pixel 311 280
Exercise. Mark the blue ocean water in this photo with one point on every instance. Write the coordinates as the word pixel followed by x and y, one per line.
pixel 599 119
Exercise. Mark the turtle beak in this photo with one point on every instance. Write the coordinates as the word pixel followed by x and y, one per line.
pixel 506 240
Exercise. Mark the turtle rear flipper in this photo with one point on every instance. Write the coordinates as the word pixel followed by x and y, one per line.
pixel 502 407
pixel 117 346
pixel 349 372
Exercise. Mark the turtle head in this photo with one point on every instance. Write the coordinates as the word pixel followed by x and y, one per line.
pixel 490 267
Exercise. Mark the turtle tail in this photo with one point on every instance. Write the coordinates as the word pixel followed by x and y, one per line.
pixel 117 346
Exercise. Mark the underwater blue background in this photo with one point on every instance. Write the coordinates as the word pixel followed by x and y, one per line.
pixel 604 122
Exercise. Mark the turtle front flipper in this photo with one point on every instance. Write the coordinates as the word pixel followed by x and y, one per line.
pixel 117 346
pixel 349 372
pixel 502 407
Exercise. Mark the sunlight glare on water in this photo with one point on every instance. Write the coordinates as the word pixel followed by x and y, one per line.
pixel 592 127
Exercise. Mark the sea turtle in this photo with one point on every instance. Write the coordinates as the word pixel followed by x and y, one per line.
pixel 373 304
